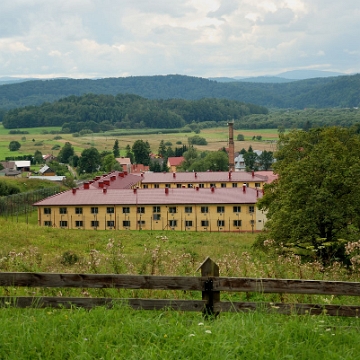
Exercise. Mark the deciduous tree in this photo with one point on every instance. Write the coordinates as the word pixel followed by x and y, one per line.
pixel 314 206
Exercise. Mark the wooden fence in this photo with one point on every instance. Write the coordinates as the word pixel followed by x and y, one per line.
pixel 209 283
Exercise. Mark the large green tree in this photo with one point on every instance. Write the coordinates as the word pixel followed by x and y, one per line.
pixel 314 206
pixel 89 161
pixel 66 152
pixel 116 148
pixel 141 151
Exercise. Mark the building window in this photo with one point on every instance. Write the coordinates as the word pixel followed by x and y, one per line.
pixel 78 210
pixel 204 209
pixel 126 223
pixel 47 223
pixel 234 185
pixel 251 209
pixel 178 186
pixel 126 210
pixel 188 209
pixel 237 209
pixel 156 209
pixel 212 185
pixel 94 223
pixel 156 217
pixel 94 210
pixel 252 222
pixel 156 186
pixel 141 222
pixel 189 186
pixel 223 185
pixel 172 209
pixel 201 186
pixel 78 224
pixel 63 223
pixel 188 223
pixel 145 186
pixel 205 223
pixel 172 223
pixel 140 210
pixel 220 223
pixel 237 223
pixel 47 210
pixel 220 209
pixel 110 210
pixel 63 210
pixel 167 185
pixel 110 223
pixel 257 185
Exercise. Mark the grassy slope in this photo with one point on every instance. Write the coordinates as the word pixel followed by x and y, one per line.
pixel 123 333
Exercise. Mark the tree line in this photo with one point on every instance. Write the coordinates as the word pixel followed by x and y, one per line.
pixel 107 112
pixel 340 91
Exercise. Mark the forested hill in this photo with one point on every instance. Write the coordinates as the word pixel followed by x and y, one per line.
pixel 341 91
pixel 105 112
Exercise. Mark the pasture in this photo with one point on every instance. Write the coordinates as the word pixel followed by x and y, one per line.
pixel 123 333
pixel 40 139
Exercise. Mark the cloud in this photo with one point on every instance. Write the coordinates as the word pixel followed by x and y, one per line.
pixel 99 38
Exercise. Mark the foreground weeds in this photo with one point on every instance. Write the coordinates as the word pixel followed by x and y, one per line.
pixel 123 333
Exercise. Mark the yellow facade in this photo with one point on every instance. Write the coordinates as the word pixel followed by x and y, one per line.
pixel 258 184
pixel 206 217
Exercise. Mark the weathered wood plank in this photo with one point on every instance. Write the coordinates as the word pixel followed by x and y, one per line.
pixel 89 303
pixel 288 309
pixel 102 281
pixel 286 286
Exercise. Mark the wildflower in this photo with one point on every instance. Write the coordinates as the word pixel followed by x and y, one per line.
pixel 201 324
pixel 165 336
pixel 208 331
pixel 191 335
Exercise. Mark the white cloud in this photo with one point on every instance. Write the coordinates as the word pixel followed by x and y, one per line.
pixel 193 37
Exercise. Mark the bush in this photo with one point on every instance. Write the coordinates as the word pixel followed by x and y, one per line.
pixel 69 258
pixel 240 137
pixel 197 140
pixel 14 146
pixel 57 137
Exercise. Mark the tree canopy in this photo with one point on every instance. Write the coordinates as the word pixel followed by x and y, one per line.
pixel 314 206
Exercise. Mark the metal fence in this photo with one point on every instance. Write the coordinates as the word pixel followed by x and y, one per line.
pixel 13 205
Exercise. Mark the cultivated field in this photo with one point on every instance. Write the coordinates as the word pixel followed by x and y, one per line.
pixel 216 137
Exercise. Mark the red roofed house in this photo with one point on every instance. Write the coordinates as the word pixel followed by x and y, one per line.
pixel 174 162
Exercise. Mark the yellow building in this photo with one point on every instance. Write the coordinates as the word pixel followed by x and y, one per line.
pixel 184 209
pixel 208 179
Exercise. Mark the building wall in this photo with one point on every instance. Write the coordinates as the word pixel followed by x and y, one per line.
pixel 228 184
pixel 154 217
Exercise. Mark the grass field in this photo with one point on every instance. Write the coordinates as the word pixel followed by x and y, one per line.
pixel 123 333
pixel 216 137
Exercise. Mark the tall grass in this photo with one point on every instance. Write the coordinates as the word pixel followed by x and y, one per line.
pixel 122 333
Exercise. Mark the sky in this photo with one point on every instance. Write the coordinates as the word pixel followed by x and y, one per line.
pixel 203 38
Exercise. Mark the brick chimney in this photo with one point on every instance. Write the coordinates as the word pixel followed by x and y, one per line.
pixel 231 146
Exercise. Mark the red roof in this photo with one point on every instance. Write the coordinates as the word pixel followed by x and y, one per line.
pixel 113 180
pixel 202 177
pixel 175 161
pixel 139 168
pixel 176 196
pixel 269 174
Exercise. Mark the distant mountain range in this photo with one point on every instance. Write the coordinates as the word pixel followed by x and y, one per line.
pixel 283 77
pixel 320 92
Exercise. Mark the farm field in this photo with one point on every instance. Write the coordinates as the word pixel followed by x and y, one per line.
pixel 45 142
pixel 123 333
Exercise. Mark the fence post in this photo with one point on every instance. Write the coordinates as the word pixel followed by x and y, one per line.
pixel 210 270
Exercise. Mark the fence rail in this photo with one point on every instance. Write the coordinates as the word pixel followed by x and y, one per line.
pixel 209 283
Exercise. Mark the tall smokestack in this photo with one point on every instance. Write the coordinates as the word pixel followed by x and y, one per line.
pixel 231 146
